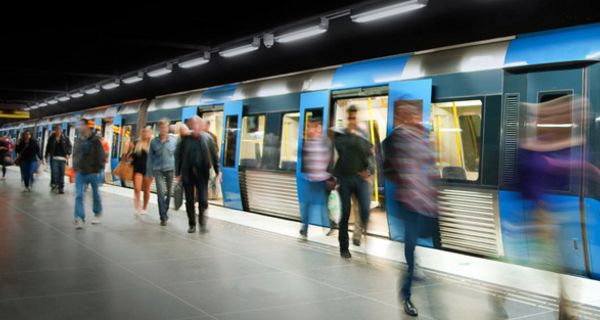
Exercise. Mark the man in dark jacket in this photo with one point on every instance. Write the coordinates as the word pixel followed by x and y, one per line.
pixel 88 162
pixel 58 151
pixel 194 156
pixel 353 170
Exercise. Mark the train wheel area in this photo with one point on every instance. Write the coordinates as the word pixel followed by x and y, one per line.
pixel 247 266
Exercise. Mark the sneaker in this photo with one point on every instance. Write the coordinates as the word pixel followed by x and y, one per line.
pixel 96 220
pixel 356 242
pixel 192 229
pixel 78 223
pixel 345 254
pixel 303 234
pixel 163 223
pixel 409 308
pixel 61 191
pixel 143 211
pixel 28 189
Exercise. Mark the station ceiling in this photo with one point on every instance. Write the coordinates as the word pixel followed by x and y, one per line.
pixel 56 50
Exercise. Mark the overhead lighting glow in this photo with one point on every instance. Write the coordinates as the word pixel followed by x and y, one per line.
pixel 388 11
pixel 34 107
pixel 515 64
pixel 76 95
pixel 593 56
pixel 159 72
pixel 133 79
pixel 43 104
pixel 110 85
pixel 303 33
pixel 193 62
pixel 241 50
pixel 555 125
pixel 52 101
pixel 64 98
pixel 92 90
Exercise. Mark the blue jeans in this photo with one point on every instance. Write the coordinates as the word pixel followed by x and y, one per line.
pixel 164 182
pixel 316 193
pixel 27 171
pixel 81 180
pixel 349 185
pixel 57 169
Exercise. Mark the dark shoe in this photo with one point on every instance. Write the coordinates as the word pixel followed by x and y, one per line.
pixel 345 254
pixel 192 229
pixel 356 242
pixel 163 223
pixel 303 233
pixel 409 308
pixel 61 191
pixel 203 229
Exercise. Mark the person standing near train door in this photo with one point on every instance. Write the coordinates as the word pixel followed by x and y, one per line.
pixel 58 151
pixel 195 155
pixel 409 164
pixel 353 170
pixel 88 161
pixel 161 166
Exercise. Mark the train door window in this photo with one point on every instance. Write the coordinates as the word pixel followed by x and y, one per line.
pixel 126 138
pixel 231 132
pixel 290 126
pixel 456 131
pixel 115 139
pixel 252 141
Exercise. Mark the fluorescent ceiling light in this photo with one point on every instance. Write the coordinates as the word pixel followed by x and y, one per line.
pixel 34 107
pixel 92 90
pixel 43 104
pixel 515 64
pixel 64 98
pixel 241 50
pixel 388 11
pixel 110 85
pixel 133 79
pixel 76 95
pixel 26 109
pixel 303 33
pixel 52 101
pixel 555 125
pixel 159 72
pixel 194 62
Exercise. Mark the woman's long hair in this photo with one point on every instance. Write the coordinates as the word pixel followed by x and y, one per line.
pixel 140 145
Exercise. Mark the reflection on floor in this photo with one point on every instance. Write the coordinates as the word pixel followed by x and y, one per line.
pixel 130 268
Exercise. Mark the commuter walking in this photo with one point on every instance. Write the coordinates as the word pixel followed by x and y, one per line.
pixel 409 164
pixel 58 151
pixel 5 158
pixel 139 160
pixel 353 170
pixel 213 184
pixel 88 161
pixel 161 166
pixel 106 148
pixel 28 153
pixel 195 155
pixel 316 154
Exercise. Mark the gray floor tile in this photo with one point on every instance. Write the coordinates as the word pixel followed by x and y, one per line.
pixel 297 259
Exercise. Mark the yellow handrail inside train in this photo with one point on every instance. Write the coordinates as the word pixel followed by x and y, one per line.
pixel 285 137
pixel 439 137
pixel 457 134
pixel 372 129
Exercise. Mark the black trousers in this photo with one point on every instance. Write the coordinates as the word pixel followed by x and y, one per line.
pixel 196 189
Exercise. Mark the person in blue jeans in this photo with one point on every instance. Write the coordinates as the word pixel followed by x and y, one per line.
pixel 161 165
pixel 28 153
pixel 58 150
pixel 88 161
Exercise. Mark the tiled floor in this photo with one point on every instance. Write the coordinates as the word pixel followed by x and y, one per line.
pixel 131 268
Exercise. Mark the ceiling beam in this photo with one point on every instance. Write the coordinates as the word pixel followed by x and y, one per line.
pixel 31 90
pixel 23 71
pixel 159 43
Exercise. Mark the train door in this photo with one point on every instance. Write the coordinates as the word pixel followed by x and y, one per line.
pixel 548 108
pixel 372 105
pixel 215 118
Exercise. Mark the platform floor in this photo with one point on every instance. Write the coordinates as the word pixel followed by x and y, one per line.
pixel 131 268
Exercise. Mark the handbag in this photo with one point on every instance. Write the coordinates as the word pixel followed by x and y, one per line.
pixel 334 205
pixel 124 170
pixel 70 172
pixel 178 195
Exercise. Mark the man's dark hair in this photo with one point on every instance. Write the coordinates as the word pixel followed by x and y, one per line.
pixel 57 126
pixel 318 120
pixel 352 108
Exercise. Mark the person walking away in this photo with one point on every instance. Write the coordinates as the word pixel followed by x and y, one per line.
pixel 5 157
pixel 88 161
pixel 58 151
pixel 353 169
pixel 212 181
pixel 139 160
pixel 195 155
pixel 409 164
pixel 161 166
pixel 28 153
pixel 316 155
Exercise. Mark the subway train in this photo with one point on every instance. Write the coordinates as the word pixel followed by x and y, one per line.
pixel 471 96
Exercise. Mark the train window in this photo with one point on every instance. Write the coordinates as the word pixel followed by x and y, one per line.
pixel 126 138
pixel 115 139
pixel 456 131
pixel 289 141
pixel 231 131
pixel 215 118
pixel 252 141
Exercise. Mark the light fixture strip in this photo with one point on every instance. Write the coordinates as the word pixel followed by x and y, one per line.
pixel 388 11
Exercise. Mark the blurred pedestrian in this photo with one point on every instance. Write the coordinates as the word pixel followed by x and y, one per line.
pixel 28 154
pixel 141 181
pixel 5 157
pixel 58 151
pixel 161 166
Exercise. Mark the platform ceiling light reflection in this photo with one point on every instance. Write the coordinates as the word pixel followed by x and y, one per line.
pixel 515 64
pixel 110 85
pixel 64 98
pixel 241 50
pixel 194 62
pixel 52 101
pixel 43 104
pixel 134 78
pixel 303 33
pixel 76 95
pixel 159 72
pixel 92 91
pixel 593 56
pixel 388 11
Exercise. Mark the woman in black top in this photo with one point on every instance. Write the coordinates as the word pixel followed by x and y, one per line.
pixel 139 157
pixel 28 153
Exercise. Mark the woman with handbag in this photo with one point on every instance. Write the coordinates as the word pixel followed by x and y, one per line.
pixel 28 153
pixel 139 159
pixel 5 158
